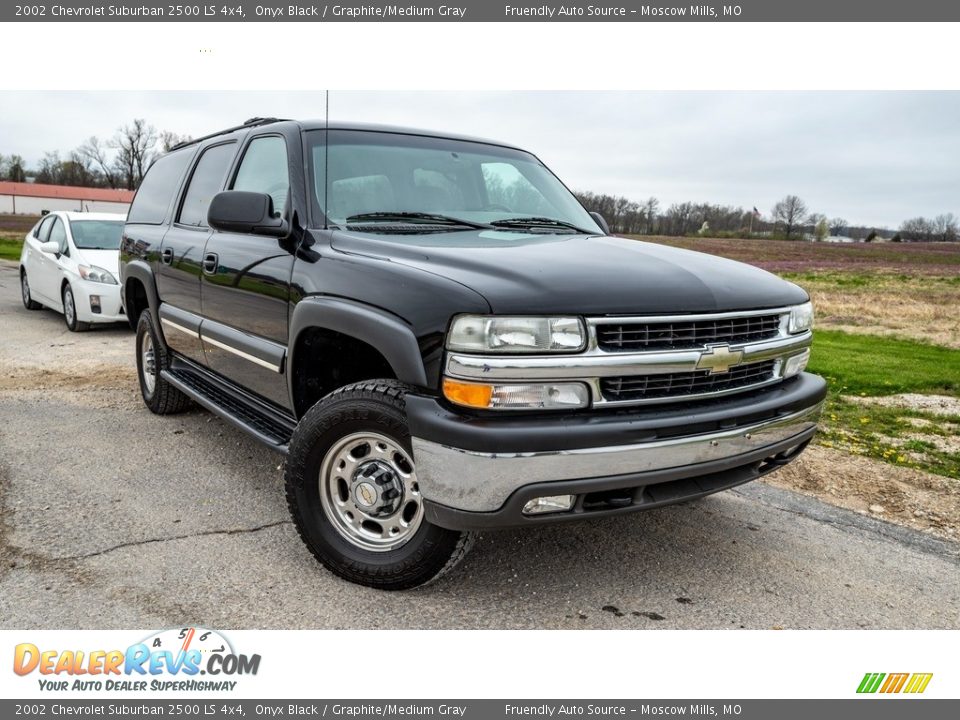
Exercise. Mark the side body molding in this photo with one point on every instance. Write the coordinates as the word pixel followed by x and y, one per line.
pixel 387 333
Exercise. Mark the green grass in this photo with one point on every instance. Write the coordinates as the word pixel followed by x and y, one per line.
pixel 873 365
pixel 865 366
pixel 844 280
pixel 10 247
pixel 887 434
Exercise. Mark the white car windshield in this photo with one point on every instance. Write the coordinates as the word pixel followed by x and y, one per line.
pixel 96 234
pixel 378 180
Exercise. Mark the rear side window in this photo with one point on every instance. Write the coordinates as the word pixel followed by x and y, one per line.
pixel 206 181
pixel 157 189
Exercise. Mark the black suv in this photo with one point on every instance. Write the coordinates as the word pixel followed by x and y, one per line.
pixel 442 339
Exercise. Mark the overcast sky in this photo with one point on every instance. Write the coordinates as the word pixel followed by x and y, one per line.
pixel 872 158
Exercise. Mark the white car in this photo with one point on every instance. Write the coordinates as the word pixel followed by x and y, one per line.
pixel 70 263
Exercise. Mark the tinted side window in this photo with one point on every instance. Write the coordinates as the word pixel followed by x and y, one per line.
pixel 43 234
pixel 157 189
pixel 206 181
pixel 59 235
pixel 264 170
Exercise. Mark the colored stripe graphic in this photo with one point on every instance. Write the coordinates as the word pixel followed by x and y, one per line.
pixel 870 682
pixel 894 683
pixel 918 682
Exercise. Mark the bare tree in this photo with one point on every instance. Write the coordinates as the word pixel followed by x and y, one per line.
pixel 76 170
pixel 837 225
pixel 99 156
pixel 945 228
pixel 134 144
pixel 789 213
pixel 169 140
pixel 16 170
pixel 651 210
pixel 50 171
pixel 679 218
pixel 917 229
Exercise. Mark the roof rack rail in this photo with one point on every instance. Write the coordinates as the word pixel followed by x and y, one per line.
pixel 252 122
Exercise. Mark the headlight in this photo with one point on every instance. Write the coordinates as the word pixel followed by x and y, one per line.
pixel 504 334
pixel 516 396
pixel 801 318
pixel 96 274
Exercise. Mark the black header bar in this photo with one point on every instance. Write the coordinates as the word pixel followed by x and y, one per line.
pixel 484 11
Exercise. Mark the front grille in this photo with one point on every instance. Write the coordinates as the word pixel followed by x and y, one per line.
pixel 678 385
pixel 680 335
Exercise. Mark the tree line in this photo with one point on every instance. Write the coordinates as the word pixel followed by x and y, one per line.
pixel 119 161
pixel 789 219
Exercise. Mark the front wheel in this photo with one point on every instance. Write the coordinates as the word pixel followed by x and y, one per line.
pixel 70 312
pixel 353 493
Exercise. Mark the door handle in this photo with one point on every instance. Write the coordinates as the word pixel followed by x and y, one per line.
pixel 166 257
pixel 210 262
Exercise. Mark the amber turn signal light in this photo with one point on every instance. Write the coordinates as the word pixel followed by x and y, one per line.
pixel 469 394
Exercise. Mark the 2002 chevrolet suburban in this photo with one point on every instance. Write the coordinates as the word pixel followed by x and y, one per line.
pixel 441 339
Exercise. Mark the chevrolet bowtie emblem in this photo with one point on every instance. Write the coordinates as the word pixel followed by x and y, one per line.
pixel 719 359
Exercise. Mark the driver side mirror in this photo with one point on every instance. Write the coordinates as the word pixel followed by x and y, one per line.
pixel 599 220
pixel 241 211
pixel 51 247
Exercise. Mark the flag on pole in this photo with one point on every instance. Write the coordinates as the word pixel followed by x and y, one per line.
pixel 756 213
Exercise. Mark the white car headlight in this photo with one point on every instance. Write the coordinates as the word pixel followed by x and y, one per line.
pixel 516 334
pixel 801 318
pixel 96 274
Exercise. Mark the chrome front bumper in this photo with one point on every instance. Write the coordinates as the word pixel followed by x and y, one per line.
pixel 483 481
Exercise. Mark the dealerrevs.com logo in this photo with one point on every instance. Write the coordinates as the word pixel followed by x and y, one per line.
pixel 892 683
pixel 167 660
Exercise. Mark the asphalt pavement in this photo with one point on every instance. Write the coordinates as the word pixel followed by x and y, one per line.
pixel 111 517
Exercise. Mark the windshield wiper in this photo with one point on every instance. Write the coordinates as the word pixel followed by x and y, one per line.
pixel 407 216
pixel 534 222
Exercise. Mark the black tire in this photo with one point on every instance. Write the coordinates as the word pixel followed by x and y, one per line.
pixel 28 302
pixel 70 312
pixel 160 396
pixel 377 407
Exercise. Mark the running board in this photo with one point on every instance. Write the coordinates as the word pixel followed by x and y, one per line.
pixel 246 412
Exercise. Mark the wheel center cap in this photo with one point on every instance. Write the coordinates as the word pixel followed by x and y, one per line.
pixel 366 494
pixel 376 489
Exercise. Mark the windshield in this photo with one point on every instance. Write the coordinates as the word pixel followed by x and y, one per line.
pixel 96 234
pixel 388 179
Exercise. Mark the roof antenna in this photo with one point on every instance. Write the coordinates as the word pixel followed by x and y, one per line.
pixel 326 160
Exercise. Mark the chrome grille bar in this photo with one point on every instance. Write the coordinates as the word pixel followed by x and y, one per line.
pixel 619 376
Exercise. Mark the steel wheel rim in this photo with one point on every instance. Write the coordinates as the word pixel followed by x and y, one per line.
pixel 25 289
pixel 148 359
pixel 342 474
pixel 68 308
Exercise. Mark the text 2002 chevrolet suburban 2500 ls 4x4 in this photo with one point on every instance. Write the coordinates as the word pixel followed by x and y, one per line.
pixel 442 339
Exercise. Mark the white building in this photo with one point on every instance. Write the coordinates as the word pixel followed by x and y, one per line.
pixel 34 199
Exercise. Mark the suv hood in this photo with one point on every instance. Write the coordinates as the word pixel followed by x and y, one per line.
pixel 525 273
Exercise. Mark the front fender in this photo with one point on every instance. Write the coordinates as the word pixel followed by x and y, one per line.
pixel 393 338
pixel 140 271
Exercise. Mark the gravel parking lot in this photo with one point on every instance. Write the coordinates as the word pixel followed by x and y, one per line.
pixel 113 517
